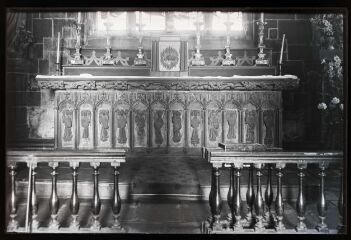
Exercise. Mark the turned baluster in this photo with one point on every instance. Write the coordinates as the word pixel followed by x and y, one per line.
pixel 216 205
pixel 341 207
pixel 322 204
pixel 268 195
pixel 300 203
pixel 250 195
pixel 259 204
pixel 212 190
pixel 237 198
pixel 96 199
pixel 54 202
pixel 34 200
pixel 74 197
pixel 13 223
pixel 116 201
pixel 279 203
pixel 230 195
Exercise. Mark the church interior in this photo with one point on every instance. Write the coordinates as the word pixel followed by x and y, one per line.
pixel 195 122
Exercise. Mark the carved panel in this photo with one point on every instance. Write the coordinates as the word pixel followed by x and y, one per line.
pixel 67 126
pixel 196 128
pixel 158 126
pixel 86 122
pixel 122 127
pixel 250 125
pixel 231 126
pixel 141 124
pixel 268 127
pixel 214 128
pixel 103 125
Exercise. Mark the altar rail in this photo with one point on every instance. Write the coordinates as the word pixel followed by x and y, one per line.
pixel 54 158
pixel 260 216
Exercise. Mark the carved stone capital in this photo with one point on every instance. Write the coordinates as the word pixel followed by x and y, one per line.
pixel 115 164
pixel 53 164
pixel 280 165
pixel 74 164
pixel 95 164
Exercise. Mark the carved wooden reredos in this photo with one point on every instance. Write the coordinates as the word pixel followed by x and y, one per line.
pixel 152 119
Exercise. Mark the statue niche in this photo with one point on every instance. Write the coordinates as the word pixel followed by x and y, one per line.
pixel 158 124
pixel 85 122
pixel 140 120
pixel 195 123
pixel 67 122
pixel 268 120
pixel 231 119
pixel 250 121
pixel 213 121
pixel 121 125
pixel 177 125
pixel 104 122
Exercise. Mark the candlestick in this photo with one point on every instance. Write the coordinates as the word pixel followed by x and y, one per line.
pixel 79 17
pixel 58 48
pixel 262 17
pixel 281 51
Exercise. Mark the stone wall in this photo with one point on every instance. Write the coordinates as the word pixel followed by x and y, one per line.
pixel 30 112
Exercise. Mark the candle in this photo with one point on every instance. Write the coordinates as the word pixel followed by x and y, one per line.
pixel 58 48
pixel 262 19
pixel 79 17
pixel 281 50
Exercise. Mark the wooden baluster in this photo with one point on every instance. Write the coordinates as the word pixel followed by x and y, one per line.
pixel 96 199
pixel 13 223
pixel 34 200
pixel 116 201
pixel 216 199
pixel 230 196
pixel 322 204
pixel 250 196
pixel 300 203
pixel 210 196
pixel 268 195
pixel 279 203
pixel 341 204
pixel 74 198
pixel 54 202
pixel 259 204
pixel 237 199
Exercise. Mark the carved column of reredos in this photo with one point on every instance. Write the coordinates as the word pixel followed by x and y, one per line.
pixel 160 119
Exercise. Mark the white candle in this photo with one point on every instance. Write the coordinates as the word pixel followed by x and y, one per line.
pixel 58 48
pixel 262 19
pixel 79 17
pixel 281 50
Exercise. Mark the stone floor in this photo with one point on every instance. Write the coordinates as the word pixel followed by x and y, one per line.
pixel 162 184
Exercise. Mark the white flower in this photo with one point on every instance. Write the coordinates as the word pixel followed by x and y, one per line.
pixel 341 107
pixel 335 100
pixel 322 106
pixel 323 61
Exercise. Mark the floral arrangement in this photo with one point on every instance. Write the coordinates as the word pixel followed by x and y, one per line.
pixel 328 36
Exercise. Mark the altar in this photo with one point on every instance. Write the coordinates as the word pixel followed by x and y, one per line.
pixel 150 112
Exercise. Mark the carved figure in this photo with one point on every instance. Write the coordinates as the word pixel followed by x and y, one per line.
pixel 67 122
pixel 231 119
pixel 213 122
pixel 140 122
pixel 104 122
pixel 121 124
pixel 85 121
pixel 195 123
pixel 158 123
pixel 268 120
pixel 177 125
pixel 250 121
